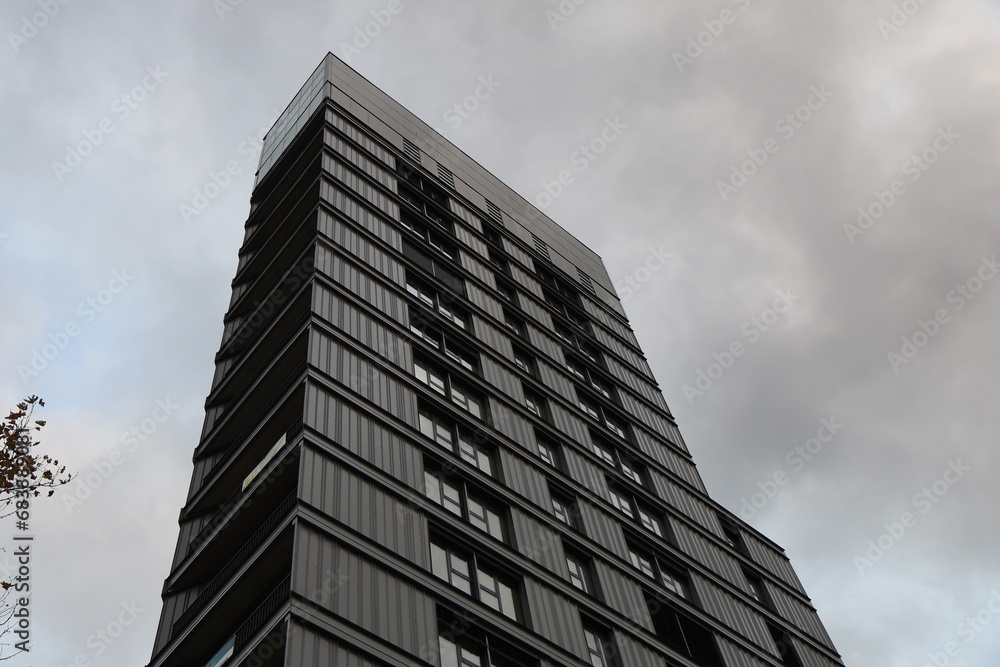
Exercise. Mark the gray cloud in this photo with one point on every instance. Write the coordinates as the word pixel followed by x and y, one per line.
pixel 657 185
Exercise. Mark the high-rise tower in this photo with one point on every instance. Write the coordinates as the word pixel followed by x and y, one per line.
pixel 432 438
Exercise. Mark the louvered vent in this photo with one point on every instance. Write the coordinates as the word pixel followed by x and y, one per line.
pixel 541 247
pixel 494 212
pixel 446 176
pixel 412 150
pixel 585 281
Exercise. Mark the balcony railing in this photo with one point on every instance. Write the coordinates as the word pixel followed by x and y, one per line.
pixel 293 331
pixel 221 515
pixel 263 612
pixel 293 377
pixel 234 564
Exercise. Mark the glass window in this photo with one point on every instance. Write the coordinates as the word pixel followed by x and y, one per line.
pixel 642 563
pixel 473 452
pixel 548 452
pixel 485 519
pixel 596 648
pixel 590 408
pixel 622 503
pixel 577 573
pixel 524 361
pixel 604 451
pixel 561 509
pixel 437 429
pixel 650 522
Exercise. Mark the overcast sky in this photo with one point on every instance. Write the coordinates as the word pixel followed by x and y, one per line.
pixel 750 134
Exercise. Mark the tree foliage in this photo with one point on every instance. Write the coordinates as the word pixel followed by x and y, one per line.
pixel 23 471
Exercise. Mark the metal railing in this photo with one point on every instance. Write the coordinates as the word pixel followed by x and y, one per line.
pixel 234 564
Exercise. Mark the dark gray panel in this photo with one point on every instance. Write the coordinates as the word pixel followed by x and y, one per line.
pixel 556 381
pixel 546 344
pixel 492 336
pixel 502 379
pixel 477 268
pixel 364 250
pixel 635 654
pixel 381 340
pixel 569 424
pixel 471 241
pixel 731 611
pixel 366 507
pixel 357 158
pixel 484 300
pixel 364 435
pixel 555 617
pixel 308 647
pixel 512 425
pixel 623 595
pixel 357 213
pixel 539 543
pixel 524 478
pixel 603 529
pixel 709 554
pixel 359 282
pixel 370 596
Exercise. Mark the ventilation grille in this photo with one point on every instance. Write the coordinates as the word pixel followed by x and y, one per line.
pixel 445 175
pixel 494 212
pixel 586 281
pixel 541 248
pixel 412 150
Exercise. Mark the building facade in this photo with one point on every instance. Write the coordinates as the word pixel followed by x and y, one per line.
pixel 433 439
